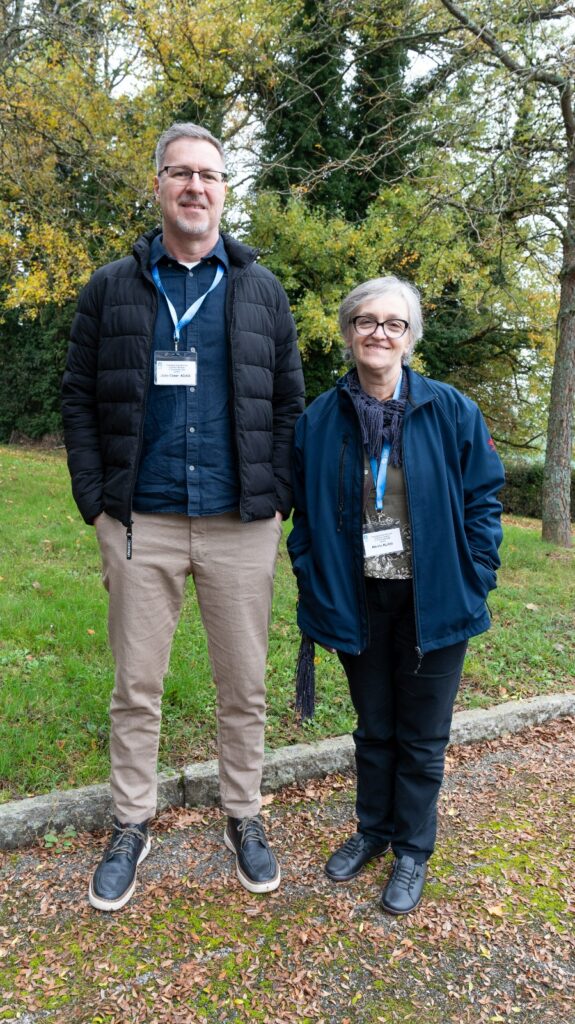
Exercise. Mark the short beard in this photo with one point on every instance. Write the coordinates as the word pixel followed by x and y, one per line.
pixel 191 229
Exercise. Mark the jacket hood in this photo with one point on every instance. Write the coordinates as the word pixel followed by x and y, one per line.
pixel 141 248
pixel 239 253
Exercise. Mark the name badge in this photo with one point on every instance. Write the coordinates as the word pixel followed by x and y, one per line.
pixel 382 542
pixel 176 368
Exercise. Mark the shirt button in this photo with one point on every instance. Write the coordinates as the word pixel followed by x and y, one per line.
pixel 192 469
pixel 192 430
pixel 192 390
pixel 192 350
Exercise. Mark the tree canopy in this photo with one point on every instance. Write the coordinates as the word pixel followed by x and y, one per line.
pixel 426 138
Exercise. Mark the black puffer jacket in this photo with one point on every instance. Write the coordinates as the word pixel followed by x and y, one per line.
pixel 105 383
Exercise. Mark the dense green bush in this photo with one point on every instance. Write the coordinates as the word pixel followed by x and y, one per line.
pixel 521 495
pixel 32 356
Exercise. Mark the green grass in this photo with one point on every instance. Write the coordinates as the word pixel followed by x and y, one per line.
pixel 56 671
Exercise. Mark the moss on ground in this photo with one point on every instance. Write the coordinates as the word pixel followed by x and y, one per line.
pixel 489 942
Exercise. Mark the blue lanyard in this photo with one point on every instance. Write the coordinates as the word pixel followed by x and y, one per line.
pixel 380 472
pixel 192 310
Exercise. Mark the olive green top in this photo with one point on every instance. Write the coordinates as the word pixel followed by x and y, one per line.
pixel 395 566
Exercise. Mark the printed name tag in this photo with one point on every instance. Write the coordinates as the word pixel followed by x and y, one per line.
pixel 176 368
pixel 382 542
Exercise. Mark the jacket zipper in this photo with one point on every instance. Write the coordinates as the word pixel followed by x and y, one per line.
pixel 418 649
pixel 340 501
pixel 230 304
pixel 361 586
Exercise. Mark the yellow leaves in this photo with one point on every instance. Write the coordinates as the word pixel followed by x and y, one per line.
pixel 30 290
pixel 201 43
pixel 407 259
pixel 317 322
pixel 54 263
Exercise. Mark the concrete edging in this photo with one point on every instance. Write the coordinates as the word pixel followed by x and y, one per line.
pixel 90 808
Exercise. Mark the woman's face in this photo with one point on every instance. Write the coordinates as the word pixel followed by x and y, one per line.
pixel 380 353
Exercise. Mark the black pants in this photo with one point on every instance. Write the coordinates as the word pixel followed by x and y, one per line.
pixel 404 717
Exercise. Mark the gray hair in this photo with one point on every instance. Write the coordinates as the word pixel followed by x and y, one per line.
pixel 376 288
pixel 185 130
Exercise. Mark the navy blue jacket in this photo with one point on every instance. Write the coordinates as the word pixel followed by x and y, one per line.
pixel 452 475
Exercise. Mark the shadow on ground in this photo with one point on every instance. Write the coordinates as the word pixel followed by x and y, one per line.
pixel 492 941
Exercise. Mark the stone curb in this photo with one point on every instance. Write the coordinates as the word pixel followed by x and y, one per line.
pixel 90 808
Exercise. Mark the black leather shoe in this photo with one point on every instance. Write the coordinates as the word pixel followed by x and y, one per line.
pixel 348 861
pixel 256 866
pixel 114 880
pixel 403 891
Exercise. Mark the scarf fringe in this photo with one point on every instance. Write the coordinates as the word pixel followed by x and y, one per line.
pixel 305 678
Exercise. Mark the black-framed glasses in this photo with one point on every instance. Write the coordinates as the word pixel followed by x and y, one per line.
pixel 185 175
pixel 366 325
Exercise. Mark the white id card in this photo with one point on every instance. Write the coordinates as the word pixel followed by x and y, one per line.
pixel 176 368
pixel 382 542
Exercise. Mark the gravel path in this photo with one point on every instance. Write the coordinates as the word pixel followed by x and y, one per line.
pixel 491 942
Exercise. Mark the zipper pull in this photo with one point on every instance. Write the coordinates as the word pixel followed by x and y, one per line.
pixel 129 541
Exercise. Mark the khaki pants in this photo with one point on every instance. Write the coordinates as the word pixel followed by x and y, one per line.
pixel 232 565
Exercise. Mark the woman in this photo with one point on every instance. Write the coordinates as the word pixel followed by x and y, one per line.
pixel 394 545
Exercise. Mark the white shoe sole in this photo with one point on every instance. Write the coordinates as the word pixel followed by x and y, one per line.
pixel 101 904
pixel 247 882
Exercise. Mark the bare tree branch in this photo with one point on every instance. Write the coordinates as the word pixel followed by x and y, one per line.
pixel 535 74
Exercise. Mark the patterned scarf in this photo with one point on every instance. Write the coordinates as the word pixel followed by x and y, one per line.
pixel 381 422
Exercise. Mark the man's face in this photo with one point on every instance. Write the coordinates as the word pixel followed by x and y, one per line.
pixel 191 208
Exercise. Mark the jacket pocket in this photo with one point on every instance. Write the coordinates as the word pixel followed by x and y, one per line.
pixel 487 577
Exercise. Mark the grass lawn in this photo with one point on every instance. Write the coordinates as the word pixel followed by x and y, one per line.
pixel 56 671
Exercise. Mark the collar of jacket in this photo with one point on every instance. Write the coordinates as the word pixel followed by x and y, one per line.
pixel 240 255
pixel 419 388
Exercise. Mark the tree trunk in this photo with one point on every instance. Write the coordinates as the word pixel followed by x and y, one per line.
pixel 556 518
pixel 556 515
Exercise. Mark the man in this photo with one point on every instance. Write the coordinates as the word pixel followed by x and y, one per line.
pixel 182 386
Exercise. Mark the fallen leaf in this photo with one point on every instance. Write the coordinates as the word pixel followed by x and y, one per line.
pixel 496 911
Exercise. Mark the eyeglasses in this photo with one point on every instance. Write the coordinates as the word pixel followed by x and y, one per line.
pixel 185 175
pixel 367 325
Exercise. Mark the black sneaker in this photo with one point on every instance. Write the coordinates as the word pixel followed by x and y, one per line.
pixel 349 859
pixel 256 866
pixel 405 887
pixel 114 880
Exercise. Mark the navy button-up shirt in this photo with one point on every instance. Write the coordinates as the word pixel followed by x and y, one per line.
pixel 187 464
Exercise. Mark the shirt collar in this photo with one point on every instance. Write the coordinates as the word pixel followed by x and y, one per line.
pixel 158 252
